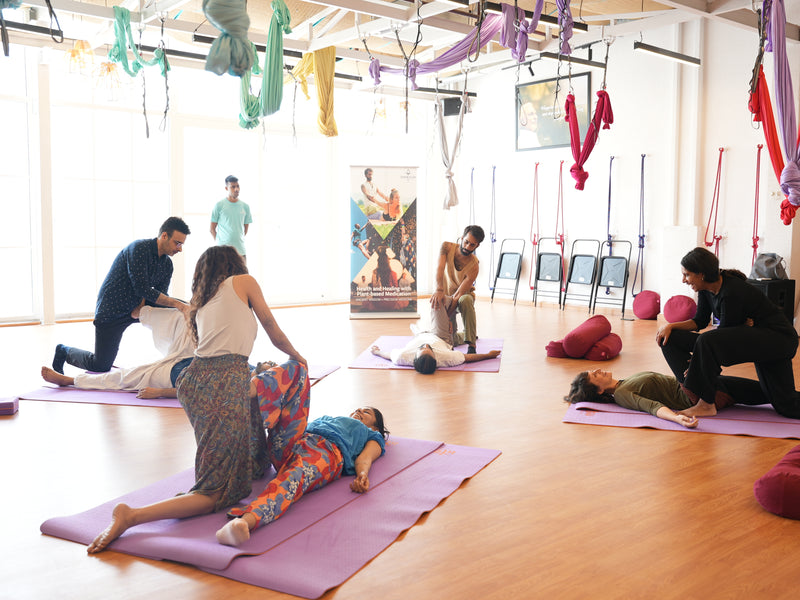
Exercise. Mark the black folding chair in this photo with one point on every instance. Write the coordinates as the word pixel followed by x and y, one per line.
pixel 509 265
pixel 613 274
pixel 582 269
pixel 549 269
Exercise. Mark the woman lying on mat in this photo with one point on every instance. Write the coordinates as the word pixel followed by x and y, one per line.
pixel 306 456
pixel 751 329
pixel 657 394
pixel 429 350
pixel 214 391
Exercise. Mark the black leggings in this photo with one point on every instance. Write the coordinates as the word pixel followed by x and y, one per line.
pixel 696 360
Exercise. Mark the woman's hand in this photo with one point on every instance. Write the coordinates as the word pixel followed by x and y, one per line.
pixel 662 335
pixel 360 484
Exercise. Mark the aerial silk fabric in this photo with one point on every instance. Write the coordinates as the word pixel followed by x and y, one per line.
pixel 232 51
pixel 784 100
pixel 760 106
pixel 490 27
pixel 602 113
pixel 565 22
pixel 269 100
pixel 321 63
pixel 449 158
pixel 123 39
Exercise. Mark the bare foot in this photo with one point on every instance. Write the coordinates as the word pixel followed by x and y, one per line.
pixel 701 409
pixel 51 376
pixel 121 520
pixel 234 533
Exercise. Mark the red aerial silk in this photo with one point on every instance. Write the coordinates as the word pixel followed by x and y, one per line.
pixel 761 107
pixel 602 112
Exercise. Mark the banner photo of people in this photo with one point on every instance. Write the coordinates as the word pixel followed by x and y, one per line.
pixel 383 242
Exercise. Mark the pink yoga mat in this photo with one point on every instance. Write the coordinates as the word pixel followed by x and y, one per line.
pixel 756 421
pixel 367 360
pixel 320 542
pixel 71 394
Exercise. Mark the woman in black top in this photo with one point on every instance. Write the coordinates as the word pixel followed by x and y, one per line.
pixel 751 329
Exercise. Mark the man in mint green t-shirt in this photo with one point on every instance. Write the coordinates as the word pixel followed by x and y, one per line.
pixel 231 218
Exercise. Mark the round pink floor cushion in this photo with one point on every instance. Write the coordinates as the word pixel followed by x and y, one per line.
pixel 578 341
pixel 605 349
pixel 679 308
pixel 555 349
pixel 647 305
pixel 778 490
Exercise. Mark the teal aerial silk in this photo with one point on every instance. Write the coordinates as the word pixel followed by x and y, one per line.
pixel 232 51
pixel 268 101
pixel 124 40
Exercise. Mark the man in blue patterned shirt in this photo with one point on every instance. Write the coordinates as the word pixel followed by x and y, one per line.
pixel 141 272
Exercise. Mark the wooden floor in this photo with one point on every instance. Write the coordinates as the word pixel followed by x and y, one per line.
pixel 567 511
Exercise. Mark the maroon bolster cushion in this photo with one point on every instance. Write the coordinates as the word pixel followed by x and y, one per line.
pixel 578 341
pixel 606 349
pixel 647 305
pixel 679 308
pixel 555 349
pixel 778 490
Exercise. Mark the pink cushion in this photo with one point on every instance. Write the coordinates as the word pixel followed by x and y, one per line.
pixel 778 491
pixel 606 349
pixel 647 305
pixel 578 341
pixel 679 308
pixel 555 349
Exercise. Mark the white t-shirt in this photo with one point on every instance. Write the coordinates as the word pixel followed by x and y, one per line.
pixel 442 351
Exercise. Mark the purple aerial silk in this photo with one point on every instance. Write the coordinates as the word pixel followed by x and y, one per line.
pixel 784 100
pixel 491 26
pixel 519 47
pixel 565 24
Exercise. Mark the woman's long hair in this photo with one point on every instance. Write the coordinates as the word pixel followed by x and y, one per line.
pixel 213 267
pixel 703 261
pixel 384 268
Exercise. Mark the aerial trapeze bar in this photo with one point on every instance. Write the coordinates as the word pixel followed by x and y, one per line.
pixel 715 238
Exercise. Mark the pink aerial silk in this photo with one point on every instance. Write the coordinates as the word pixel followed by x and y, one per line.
pixel 602 112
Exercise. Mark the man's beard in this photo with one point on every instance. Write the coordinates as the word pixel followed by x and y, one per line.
pixel 465 252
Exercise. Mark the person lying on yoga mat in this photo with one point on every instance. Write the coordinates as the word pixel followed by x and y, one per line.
pixel 232 448
pixel 429 350
pixel 306 456
pixel 171 337
pixel 751 329
pixel 658 394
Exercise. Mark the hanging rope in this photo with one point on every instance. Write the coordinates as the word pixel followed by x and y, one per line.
pixel 715 239
pixel 608 215
pixel 534 223
pixel 640 260
pixel 492 223
pixel 755 209
pixel 472 196
pixel 3 31
pixel 559 235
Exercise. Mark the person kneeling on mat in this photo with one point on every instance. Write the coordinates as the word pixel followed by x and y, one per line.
pixel 660 395
pixel 429 350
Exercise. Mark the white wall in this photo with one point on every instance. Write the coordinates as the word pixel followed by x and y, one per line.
pixel 678 116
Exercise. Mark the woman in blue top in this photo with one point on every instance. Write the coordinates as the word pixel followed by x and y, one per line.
pixel 751 329
pixel 306 456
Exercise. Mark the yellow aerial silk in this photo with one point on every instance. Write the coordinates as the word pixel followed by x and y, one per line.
pixel 321 63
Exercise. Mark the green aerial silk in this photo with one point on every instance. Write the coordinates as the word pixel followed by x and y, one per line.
pixel 124 40
pixel 269 99
pixel 272 84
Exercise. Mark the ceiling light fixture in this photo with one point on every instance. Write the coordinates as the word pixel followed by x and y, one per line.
pixel 668 54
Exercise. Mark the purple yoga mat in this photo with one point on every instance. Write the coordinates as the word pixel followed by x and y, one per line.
pixel 309 563
pixel 71 394
pixel 756 421
pixel 295 554
pixel 367 360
